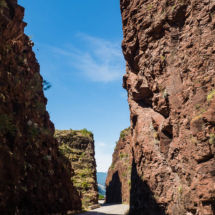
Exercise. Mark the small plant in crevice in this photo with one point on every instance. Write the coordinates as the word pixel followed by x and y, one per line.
pixel 212 139
pixel 112 166
pixel 149 7
pixel 123 174
pixel 180 190
pixel 197 106
pixel 210 96
pixel 162 57
pixel 165 94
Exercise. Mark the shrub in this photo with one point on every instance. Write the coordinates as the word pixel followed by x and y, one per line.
pixel 212 139
pixel 3 4
pixel 46 85
pixel 112 166
pixel 122 135
pixel 123 174
pixel 85 185
pixel 121 156
pixel 101 197
pixel 210 96
pixel 6 124
pixel 85 132
pixel 83 175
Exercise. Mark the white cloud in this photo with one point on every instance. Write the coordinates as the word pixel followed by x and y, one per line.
pixel 103 160
pixel 102 144
pixel 100 60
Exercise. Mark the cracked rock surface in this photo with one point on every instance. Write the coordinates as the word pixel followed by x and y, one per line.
pixel 169 50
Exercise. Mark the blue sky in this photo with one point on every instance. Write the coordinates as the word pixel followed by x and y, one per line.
pixel 78 46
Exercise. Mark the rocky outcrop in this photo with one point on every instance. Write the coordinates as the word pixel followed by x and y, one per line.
pixel 35 178
pixel 169 50
pixel 78 147
pixel 118 182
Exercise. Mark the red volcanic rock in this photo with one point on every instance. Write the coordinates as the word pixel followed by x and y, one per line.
pixel 118 180
pixel 170 51
pixel 35 178
pixel 78 147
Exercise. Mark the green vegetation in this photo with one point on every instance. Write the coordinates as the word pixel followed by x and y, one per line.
pixel 210 96
pixel 180 190
pixel 85 185
pixel 150 7
pixel 46 85
pixel 40 107
pixel 129 170
pixel 101 197
pixel 123 156
pixel 129 182
pixel 123 174
pixel 112 166
pixel 86 133
pixel 212 139
pixel 194 140
pixel 197 106
pixel 82 175
pixel 124 133
pixel 3 4
pixel 162 57
pixel 6 124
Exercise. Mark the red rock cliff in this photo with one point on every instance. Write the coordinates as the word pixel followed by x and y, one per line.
pixel 118 182
pixel 169 50
pixel 78 147
pixel 35 178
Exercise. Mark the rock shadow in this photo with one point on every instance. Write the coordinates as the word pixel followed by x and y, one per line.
pixel 114 190
pixel 142 199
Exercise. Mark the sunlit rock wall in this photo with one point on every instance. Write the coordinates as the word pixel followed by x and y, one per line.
pixel 169 51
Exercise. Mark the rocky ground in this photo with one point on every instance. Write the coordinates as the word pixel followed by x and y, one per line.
pixel 35 178
pixel 118 182
pixel 78 148
pixel 169 50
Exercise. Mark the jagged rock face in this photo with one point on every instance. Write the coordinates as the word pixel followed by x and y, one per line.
pixel 34 177
pixel 78 147
pixel 169 50
pixel 118 180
